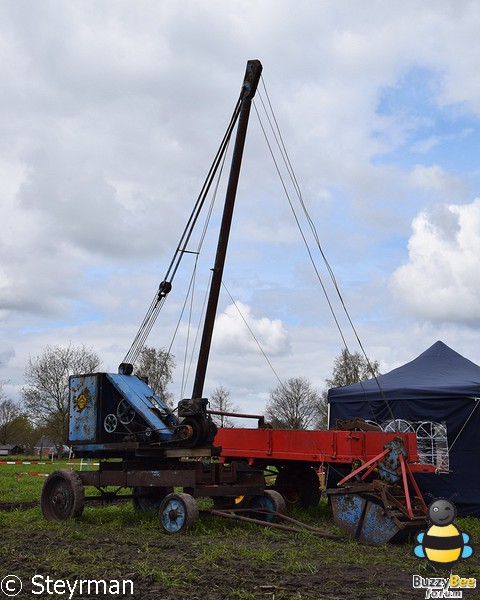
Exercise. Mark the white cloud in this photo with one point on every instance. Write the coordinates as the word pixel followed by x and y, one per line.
pixel 232 335
pixel 111 113
pixel 441 281
pixel 434 178
pixel 426 144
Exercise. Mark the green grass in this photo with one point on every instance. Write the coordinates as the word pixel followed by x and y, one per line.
pixel 470 524
pixel 17 484
pixel 215 558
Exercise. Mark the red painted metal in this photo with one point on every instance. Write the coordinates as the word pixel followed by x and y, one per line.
pixel 367 473
pixel 329 446
pixel 372 463
pixel 405 486
pixel 415 486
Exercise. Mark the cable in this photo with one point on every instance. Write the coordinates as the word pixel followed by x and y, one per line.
pixel 253 335
pixel 200 319
pixel 477 402
pixel 165 286
pixel 291 172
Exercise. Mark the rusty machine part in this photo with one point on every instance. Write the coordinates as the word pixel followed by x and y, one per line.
pixel 381 510
pixel 357 424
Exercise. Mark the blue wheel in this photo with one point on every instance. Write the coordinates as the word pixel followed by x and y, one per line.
pixel 177 512
pixel 270 501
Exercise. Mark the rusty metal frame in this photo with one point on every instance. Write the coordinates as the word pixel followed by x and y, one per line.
pixel 201 479
pixel 374 462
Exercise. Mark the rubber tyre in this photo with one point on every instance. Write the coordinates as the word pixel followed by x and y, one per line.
pixel 271 500
pixel 299 485
pixel 151 499
pixel 63 496
pixel 177 513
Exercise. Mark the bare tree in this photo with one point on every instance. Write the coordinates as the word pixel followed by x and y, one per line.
pixel 293 404
pixel 348 368
pixel 46 393
pixel 156 367
pixel 220 400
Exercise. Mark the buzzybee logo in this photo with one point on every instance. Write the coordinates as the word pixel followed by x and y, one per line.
pixel 443 544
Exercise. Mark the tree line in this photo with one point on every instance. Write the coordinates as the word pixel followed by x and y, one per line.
pixel 43 409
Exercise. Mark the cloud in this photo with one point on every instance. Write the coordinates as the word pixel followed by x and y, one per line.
pixel 441 281
pixel 426 144
pixel 112 112
pixel 232 335
pixel 434 178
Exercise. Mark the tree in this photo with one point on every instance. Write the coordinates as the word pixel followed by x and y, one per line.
pixel 351 368
pixel 156 367
pixel 15 428
pixel 9 413
pixel 46 393
pixel 220 400
pixel 19 432
pixel 348 368
pixel 293 404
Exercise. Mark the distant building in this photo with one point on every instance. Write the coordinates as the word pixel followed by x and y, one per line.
pixel 44 447
pixel 11 450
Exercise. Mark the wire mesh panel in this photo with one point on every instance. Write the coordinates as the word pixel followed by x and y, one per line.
pixel 432 441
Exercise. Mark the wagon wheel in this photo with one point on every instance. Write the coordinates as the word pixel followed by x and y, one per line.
pixel 63 496
pixel 148 499
pixel 177 512
pixel 271 500
pixel 299 485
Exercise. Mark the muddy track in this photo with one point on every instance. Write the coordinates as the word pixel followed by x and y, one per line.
pixel 27 505
pixel 172 567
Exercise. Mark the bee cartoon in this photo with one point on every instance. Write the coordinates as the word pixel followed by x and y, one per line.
pixel 443 544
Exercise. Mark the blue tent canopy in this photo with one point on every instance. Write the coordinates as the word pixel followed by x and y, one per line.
pixel 437 394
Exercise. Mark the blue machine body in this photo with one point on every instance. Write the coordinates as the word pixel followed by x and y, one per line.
pixel 363 519
pixel 111 412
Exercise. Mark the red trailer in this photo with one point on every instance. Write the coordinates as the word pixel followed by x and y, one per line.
pixel 377 499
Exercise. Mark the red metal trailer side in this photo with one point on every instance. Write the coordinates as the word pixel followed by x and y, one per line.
pixel 280 447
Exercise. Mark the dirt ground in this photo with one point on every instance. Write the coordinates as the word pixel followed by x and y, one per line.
pixel 191 566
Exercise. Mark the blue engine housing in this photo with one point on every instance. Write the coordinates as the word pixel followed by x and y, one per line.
pixel 112 414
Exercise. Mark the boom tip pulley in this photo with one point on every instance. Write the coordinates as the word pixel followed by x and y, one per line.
pixel 163 289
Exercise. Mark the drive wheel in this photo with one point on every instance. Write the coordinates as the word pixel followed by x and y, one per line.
pixel 199 429
pixel 148 499
pixel 63 496
pixel 177 512
pixel 299 485
pixel 271 500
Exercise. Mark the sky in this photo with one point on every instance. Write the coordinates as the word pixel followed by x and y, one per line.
pixel 111 113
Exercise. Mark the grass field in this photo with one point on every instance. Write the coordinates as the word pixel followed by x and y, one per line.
pixel 216 559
